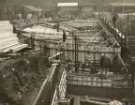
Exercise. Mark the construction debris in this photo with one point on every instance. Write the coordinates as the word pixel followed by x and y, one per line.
pixel 22 77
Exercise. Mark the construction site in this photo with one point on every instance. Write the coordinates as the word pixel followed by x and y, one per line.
pixel 69 53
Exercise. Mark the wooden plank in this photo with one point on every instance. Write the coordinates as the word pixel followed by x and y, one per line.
pixel 40 92
pixel 97 102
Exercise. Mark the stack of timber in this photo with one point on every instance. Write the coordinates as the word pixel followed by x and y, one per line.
pixel 9 40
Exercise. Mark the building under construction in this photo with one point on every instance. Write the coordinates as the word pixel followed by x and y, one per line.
pixel 70 59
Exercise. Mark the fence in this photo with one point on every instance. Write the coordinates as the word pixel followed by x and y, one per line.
pixel 60 92
pixel 95 81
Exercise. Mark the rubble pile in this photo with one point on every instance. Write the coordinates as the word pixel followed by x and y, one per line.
pixel 21 79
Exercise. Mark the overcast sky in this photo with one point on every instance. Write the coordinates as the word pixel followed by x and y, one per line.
pixel 52 3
